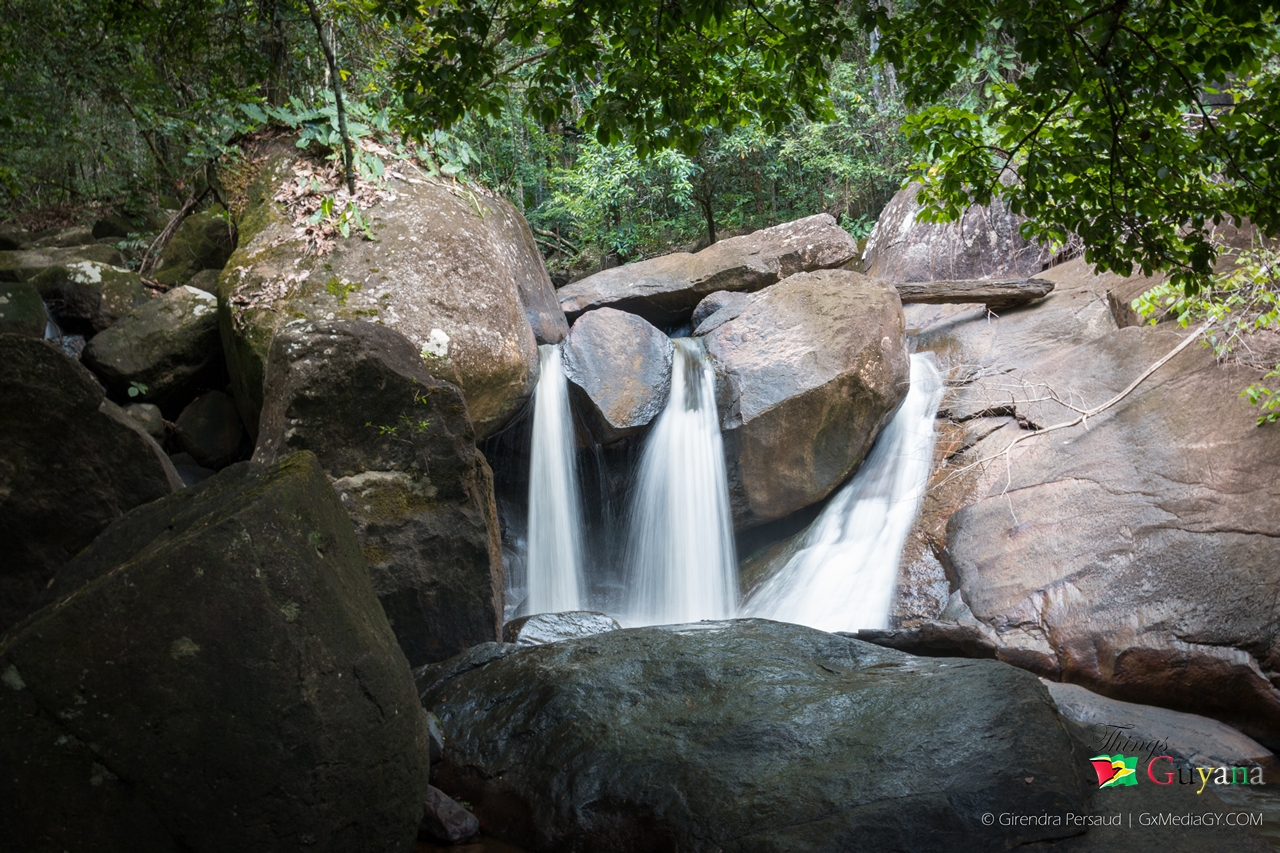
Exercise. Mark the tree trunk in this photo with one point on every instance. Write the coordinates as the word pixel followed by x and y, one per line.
pixel 275 49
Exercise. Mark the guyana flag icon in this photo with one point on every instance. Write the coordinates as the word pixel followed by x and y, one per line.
pixel 1115 771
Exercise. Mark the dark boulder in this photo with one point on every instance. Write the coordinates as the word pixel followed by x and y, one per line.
pixel 202 242
pixel 810 371
pixel 63 238
pixel 117 227
pixel 210 430
pixel 13 237
pixel 73 462
pixel 21 310
pixel 214 673
pixel 25 264
pixel 666 289
pixel 750 736
pixel 400 447
pixel 983 243
pixel 619 372
pixel 168 349
pixel 148 417
pixel 86 297
pixel 554 627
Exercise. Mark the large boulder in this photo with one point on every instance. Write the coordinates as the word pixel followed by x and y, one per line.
pixel 63 237
pixel 86 297
pixel 21 310
pixel 619 372
pixel 983 243
pixel 168 349
pixel 202 242
pixel 1131 554
pixel 25 264
pixel 762 736
pixel 450 270
pixel 210 431
pixel 214 673
pixel 809 372
pixel 73 462
pixel 666 289
pixel 399 445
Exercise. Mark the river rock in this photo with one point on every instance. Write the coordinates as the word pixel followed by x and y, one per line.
pixel 666 289
pixel 206 280
pixel 554 627
pixel 73 462
pixel 810 371
pixel 450 271
pixel 210 430
pixel 25 264
pixel 202 242
pixel 1130 556
pixel 619 372
pixel 983 243
pixel 214 673
pixel 13 237
pixel 63 238
pixel 445 821
pixel 169 345
pixel 399 445
pixel 749 736
pixel 21 310
pixel 148 417
pixel 86 297
pixel 720 307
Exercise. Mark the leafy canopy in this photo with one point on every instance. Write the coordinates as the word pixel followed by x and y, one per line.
pixel 1132 123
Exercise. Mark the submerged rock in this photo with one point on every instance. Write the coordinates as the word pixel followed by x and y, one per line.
pixel 202 242
pixel 86 297
pixel 72 463
pixel 619 372
pixel 214 673
pixel 983 243
pixel 401 449
pixel 665 290
pixel 554 627
pixel 450 270
pixel 810 371
pixel 168 349
pixel 750 736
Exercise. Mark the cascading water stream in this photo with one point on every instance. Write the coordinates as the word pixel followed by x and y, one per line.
pixel 682 565
pixel 844 576
pixel 553 564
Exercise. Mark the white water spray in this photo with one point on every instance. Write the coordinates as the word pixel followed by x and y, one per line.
pixel 554 565
pixel 844 576
pixel 682 562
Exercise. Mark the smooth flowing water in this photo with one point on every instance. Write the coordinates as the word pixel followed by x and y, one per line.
pixel 553 562
pixel 681 560
pixel 844 576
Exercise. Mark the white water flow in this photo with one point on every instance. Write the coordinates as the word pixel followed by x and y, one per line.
pixel 682 565
pixel 844 576
pixel 553 563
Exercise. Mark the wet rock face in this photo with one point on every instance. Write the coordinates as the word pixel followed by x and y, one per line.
pixel 747 736
pixel 554 627
pixel 666 289
pixel 983 243
pixel 73 462
pixel 1135 557
pixel 169 344
pixel 809 372
pixel 214 673
pixel 619 372
pixel 401 450
pixel 456 274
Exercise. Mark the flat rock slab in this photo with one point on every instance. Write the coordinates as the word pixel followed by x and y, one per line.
pixel 214 673
pixel 666 289
pixel 619 372
pixel 809 371
pixel 554 627
pixel 25 264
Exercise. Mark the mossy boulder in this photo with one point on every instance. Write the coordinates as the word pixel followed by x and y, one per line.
pixel 73 462
pixel 400 447
pixel 202 242
pixel 450 270
pixel 21 309
pixel 86 297
pixel 25 264
pixel 214 673
pixel 170 346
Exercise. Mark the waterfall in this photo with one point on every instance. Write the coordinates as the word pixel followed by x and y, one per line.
pixel 553 564
pixel 681 565
pixel 844 576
